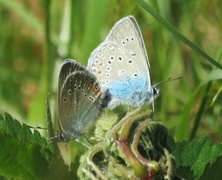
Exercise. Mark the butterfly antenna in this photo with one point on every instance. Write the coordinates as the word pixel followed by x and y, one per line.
pixel 168 80
pixel 156 90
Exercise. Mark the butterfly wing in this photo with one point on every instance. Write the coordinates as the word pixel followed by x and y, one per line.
pixel 126 33
pixel 69 66
pixel 121 64
pixel 79 99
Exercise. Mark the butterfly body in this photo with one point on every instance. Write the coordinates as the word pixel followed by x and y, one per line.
pixel 129 92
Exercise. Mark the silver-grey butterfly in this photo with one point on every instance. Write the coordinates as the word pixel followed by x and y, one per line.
pixel 122 67
pixel 80 100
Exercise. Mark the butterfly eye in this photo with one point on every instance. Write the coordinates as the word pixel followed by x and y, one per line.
pixel 155 91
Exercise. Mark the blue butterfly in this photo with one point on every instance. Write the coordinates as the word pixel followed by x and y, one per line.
pixel 121 66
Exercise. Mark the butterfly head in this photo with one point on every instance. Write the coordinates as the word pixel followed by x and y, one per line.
pixel 155 92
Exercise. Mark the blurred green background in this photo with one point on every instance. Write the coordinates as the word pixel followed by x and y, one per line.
pixel 37 36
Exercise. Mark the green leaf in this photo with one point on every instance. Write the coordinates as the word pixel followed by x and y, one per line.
pixel 27 155
pixel 20 153
pixel 196 156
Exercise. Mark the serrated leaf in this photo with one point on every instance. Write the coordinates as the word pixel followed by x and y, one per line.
pixel 197 155
pixel 13 128
pixel 8 126
pixel 216 152
pixel 36 138
pixel 27 133
pixel 26 155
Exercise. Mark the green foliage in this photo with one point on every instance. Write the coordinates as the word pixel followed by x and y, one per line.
pixel 27 155
pixel 198 157
pixel 22 132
